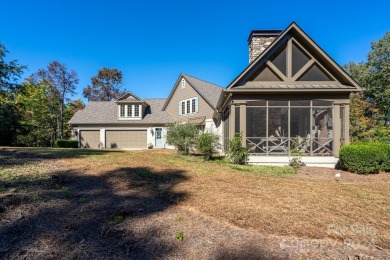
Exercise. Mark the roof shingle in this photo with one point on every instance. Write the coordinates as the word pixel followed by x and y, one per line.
pixel 106 112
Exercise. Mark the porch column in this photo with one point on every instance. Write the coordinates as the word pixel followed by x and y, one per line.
pixel 336 130
pixel 243 123
pixel 232 120
pixel 346 123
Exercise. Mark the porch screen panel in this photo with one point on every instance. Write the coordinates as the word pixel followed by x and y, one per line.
pixel 300 139
pixel 322 130
pixel 278 130
pixel 256 125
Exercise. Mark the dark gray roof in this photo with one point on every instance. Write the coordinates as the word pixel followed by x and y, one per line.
pixel 106 112
pixel 253 86
pixel 209 91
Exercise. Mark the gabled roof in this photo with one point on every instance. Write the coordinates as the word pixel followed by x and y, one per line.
pixel 106 112
pixel 293 30
pixel 208 91
pixel 128 97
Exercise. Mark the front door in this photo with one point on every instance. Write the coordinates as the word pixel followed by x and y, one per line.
pixel 158 138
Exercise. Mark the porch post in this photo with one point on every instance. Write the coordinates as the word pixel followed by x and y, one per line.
pixel 243 123
pixel 336 130
pixel 232 120
pixel 346 123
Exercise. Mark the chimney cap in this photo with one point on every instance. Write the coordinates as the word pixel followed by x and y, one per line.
pixel 263 33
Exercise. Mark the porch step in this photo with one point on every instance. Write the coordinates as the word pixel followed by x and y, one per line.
pixel 315 161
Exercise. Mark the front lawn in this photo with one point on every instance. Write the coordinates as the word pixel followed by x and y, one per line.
pixel 75 203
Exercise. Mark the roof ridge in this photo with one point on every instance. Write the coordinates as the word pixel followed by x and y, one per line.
pixel 186 75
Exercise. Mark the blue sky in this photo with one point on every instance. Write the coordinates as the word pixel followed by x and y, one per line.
pixel 152 42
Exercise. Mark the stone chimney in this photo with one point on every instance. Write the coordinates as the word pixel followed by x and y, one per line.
pixel 259 40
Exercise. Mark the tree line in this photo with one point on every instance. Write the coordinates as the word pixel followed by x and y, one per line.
pixel 35 112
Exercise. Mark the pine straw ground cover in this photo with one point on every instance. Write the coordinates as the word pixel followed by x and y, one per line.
pixel 95 204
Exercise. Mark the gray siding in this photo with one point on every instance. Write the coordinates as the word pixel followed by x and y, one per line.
pixel 181 94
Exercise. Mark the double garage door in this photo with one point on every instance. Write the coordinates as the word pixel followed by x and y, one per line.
pixel 115 139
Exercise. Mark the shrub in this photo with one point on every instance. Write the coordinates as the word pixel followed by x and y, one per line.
pixel 207 143
pixel 182 136
pixel 237 153
pixel 66 143
pixel 365 157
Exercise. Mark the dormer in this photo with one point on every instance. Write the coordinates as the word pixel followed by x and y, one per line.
pixel 131 107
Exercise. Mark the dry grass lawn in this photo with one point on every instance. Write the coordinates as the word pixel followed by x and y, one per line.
pixel 98 204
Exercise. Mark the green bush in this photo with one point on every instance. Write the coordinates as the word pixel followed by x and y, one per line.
pixel 182 136
pixel 237 153
pixel 66 143
pixel 207 143
pixel 365 157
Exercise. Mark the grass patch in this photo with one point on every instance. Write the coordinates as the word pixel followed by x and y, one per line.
pixel 267 170
pixel 116 220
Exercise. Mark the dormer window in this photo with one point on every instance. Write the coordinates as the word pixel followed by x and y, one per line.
pixel 183 83
pixel 130 111
pixel 122 111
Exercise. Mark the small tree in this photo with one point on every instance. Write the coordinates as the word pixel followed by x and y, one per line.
pixel 182 136
pixel 207 143
pixel 237 153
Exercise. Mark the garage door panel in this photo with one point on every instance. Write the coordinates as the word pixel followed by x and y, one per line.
pixel 126 139
pixel 89 139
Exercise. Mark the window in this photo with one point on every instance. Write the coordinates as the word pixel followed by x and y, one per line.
pixel 183 83
pixel 188 106
pixel 193 101
pixel 129 110
pixel 122 111
pixel 183 107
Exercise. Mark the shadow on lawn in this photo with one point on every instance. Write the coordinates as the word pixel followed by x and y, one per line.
pixel 78 216
pixel 10 156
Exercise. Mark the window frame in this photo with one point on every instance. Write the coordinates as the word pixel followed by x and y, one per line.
pixel 188 106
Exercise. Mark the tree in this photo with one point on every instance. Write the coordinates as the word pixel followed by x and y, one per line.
pixel 64 83
pixel 182 136
pixel 378 87
pixel 371 109
pixel 10 72
pixel 105 86
pixel 71 108
pixel 37 121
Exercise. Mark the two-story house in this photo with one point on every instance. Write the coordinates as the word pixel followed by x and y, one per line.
pixel 134 123
pixel 292 98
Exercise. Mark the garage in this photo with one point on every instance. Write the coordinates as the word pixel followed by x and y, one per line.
pixel 126 139
pixel 90 138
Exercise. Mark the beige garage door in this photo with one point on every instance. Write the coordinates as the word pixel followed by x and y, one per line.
pixel 126 139
pixel 89 138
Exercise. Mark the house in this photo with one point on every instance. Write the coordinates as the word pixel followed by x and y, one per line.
pixel 134 123
pixel 291 99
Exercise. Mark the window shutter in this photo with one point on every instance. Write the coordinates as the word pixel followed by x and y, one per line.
pixel 196 105
pixel 180 107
